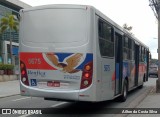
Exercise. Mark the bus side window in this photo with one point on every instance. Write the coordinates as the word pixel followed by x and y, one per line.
pixel 125 48
pixel 128 48
pixel 140 53
pixel 145 55
pixel 106 41
pixel 133 48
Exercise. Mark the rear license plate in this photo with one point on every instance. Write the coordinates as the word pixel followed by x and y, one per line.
pixel 53 84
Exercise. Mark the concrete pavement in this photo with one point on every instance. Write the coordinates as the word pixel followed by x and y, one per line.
pixel 9 88
pixel 151 101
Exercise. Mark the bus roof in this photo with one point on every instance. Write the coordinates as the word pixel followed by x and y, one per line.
pixel 58 6
pixel 73 6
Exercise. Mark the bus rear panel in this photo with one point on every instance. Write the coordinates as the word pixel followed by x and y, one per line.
pixel 56 60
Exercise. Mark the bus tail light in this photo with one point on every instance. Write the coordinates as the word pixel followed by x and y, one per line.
pixel 87 67
pixel 24 76
pixel 23 72
pixel 87 75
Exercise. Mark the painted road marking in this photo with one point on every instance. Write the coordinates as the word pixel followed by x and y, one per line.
pixel 55 105
pixel 25 115
pixel 21 99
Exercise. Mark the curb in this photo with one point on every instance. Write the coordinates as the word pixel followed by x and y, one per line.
pixel 9 95
pixel 136 102
pixel 4 78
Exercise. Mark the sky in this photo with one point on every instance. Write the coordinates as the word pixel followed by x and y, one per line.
pixel 136 13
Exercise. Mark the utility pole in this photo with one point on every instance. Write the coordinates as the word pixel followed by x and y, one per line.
pixel 155 5
pixel 158 80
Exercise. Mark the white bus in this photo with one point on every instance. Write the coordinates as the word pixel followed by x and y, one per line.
pixel 76 53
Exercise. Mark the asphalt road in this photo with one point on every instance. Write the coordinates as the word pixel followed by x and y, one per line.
pixel 75 109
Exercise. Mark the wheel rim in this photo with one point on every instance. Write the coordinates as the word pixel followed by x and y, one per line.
pixel 125 91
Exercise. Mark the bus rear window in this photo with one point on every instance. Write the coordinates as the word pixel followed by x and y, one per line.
pixel 55 25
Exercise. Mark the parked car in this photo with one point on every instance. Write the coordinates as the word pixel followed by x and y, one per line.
pixel 153 70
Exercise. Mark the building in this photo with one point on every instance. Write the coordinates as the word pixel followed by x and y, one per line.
pixel 10 7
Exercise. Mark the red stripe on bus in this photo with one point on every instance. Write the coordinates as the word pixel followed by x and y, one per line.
pixel 114 76
pixel 35 61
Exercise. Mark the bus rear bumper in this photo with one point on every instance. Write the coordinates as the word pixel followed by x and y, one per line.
pixel 59 95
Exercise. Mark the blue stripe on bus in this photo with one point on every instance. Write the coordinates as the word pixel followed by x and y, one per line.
pixel 89 58
pixel 126 69
pixel 62 56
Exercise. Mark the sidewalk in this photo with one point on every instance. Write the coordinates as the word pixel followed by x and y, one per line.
pixel 152 102
pixel 9 88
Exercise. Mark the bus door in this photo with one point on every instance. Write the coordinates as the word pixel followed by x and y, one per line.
pixel 136 63
pixel 118 63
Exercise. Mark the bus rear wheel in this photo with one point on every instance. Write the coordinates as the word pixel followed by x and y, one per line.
pixel 123 97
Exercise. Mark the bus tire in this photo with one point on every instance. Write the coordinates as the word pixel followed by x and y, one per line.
pixel 123 97
pixel 141 86
pixel 144 78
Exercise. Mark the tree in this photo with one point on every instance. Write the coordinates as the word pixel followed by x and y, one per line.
pixel 128 28
pixel 9 23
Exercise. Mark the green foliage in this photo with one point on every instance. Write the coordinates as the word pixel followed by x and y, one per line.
pixel 10 66
pixel 1 66
pixel 129 28
pixel 6 67
pixel 9 22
